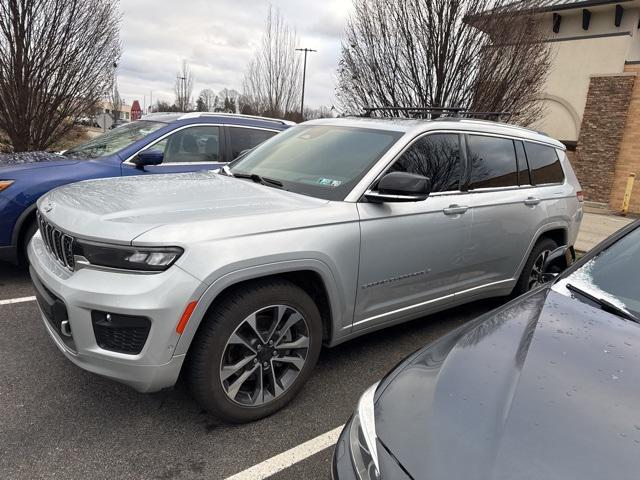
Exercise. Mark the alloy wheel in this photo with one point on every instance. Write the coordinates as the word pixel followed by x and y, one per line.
pixel 536 277
pixel 264 355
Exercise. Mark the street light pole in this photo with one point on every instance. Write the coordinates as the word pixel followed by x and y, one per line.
pixel 304 77
pixel 182 99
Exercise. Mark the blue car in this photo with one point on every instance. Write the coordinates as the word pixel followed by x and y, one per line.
pixel 159 143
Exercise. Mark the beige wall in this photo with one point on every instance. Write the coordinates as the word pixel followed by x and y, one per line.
pixel 576 60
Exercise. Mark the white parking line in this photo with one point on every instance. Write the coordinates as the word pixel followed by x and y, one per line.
pixel 290 457
pixel 17 300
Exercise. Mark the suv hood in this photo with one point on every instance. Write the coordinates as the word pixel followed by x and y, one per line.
pixel 547 388
pixel 18 162
pixel 120 209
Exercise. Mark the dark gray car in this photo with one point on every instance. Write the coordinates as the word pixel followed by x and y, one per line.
pixel 545 387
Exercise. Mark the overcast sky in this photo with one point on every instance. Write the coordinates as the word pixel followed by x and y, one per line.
pixel 218 38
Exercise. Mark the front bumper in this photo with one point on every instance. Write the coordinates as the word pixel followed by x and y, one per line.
pixel 160 297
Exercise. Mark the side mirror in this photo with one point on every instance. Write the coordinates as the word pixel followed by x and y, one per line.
pixel 400 187
pixel 148 157
pixel 557 262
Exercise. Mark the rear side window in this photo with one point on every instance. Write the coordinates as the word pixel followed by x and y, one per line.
pixel 493 162
pixel 435 156
pixel 246 139
pixel 544 164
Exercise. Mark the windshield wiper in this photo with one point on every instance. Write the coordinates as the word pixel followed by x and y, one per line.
pixel 604 304
pixel 270 182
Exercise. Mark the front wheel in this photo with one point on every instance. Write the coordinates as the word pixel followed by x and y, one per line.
pixel 255 350
pixel 532 274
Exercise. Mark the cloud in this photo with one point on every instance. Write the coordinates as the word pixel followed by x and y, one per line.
pixel 219 38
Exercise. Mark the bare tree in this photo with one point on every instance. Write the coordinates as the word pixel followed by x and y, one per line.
pixel 115 99
pixel 322 111
pixel 56 60
pixel 207 100
pixel 272 81
pixel 184 87
pixel 484 55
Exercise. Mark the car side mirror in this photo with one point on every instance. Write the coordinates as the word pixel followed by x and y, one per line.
pixel 400 187
pixel 147 158
pixel 557 262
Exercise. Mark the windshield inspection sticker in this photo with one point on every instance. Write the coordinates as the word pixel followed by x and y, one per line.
pixel 329 182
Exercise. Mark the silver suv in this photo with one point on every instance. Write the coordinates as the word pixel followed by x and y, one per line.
pixel 327 231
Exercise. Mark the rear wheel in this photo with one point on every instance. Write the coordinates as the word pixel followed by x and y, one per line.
pixel 532 273
pixel 255 350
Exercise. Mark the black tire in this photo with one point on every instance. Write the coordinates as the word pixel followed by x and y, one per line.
pixel 27 233
pixel 205 357
pixel 524 282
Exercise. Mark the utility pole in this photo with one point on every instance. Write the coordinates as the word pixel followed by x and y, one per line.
pixel 183 89
pixel 304 77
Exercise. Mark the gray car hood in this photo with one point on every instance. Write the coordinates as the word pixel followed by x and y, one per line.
pixel 121 209
pixel 548 388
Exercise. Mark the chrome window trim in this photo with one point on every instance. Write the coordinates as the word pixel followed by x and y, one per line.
pixel 177 164
pixel 254 128
pixel 158 140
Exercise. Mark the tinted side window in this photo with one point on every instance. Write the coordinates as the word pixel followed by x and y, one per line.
pixel 194 144
pixel 493 162
pixel 434 156
pixel 246 138
pixel 544 164
pixel 523 167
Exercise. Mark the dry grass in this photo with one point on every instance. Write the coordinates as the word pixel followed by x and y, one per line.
pixel 75 137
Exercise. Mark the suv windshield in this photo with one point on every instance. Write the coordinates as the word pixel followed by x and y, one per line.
pixel 613 274
pixel 114 140
pixel 317 160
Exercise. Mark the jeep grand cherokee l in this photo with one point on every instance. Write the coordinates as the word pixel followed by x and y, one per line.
pixel 330 230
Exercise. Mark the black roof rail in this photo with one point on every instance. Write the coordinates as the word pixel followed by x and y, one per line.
pixel 430 112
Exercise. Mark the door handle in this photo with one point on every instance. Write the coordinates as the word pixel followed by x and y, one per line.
pixel 532 201
pixel 454 210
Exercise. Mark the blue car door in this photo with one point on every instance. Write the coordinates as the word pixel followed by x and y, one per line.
pixel 187 149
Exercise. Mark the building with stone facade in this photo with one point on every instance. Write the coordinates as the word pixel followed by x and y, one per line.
pixel 592 94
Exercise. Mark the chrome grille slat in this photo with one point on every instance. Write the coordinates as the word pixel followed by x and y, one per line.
pixel 58 243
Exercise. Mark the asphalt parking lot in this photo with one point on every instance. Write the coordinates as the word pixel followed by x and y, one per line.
pixel 57 421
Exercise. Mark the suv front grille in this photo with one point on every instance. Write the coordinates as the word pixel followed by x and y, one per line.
pixel 58 243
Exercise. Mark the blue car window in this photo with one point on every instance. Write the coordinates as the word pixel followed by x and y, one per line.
pixel 193 144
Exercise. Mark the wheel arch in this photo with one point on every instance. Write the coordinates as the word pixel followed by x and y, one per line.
pixel 19 229
pixel 557 231
pixel 311 275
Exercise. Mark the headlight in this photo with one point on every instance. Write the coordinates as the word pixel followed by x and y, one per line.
pixel 153 259
pixel 362 438
pixel 4 184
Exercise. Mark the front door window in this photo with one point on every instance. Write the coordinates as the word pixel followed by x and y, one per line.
pixel 191 145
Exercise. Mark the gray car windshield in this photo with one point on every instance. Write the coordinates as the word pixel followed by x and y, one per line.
pixel 323 161
pixel 114 140
pixel 613 275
